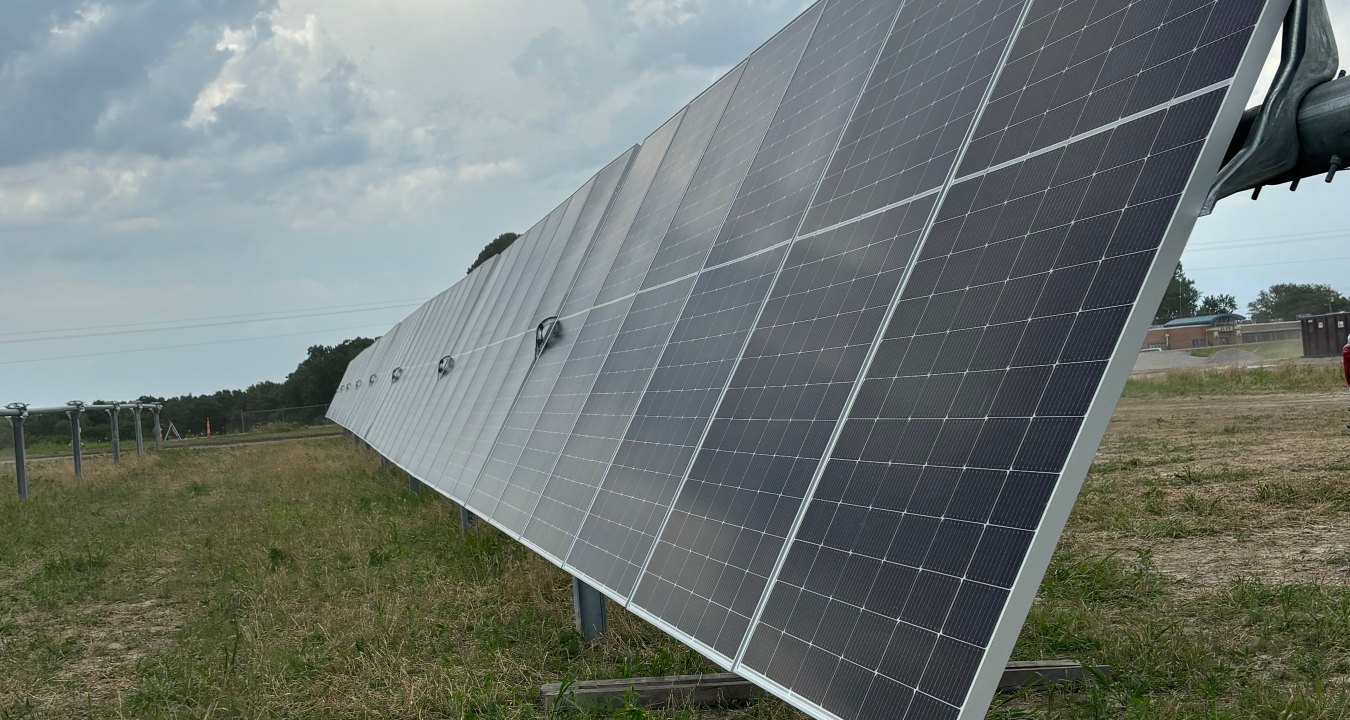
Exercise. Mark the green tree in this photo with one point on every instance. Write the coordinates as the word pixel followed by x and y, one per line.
pixel 316 379
pixel 1289 301
pixel 498 246
pixel 1181 300
pixel 1217 305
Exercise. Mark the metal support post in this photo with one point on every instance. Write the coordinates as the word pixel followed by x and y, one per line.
pixel 113 416
pixel 588 609
pixel 159 436
pixel 466 521
pixel 414 485
pixel 75 440
pixel 20 456
pixel 140 441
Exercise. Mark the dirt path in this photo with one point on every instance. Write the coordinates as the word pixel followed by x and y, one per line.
pixel 1221 488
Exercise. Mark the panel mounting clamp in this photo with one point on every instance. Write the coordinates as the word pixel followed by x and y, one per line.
pixel 1303 126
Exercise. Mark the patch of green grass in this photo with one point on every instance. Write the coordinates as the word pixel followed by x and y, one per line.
pixel 335 593
pixel 1206 476
pixel 1330 494
pixel 1248 650
pixel 1192 382
pixel 1278 350
pixel 301 580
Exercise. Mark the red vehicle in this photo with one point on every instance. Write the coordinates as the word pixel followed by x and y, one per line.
pixel 1345 360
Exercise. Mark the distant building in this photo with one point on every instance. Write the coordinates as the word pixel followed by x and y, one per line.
pixel 1196 332
pixel 1270 331
pixel 1324 335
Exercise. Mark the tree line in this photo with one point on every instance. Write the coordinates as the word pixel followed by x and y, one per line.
pixel 313 382
pixel 1282 301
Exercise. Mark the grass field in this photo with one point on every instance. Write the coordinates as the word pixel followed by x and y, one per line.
pixel 1207 561
pixel 1274 351
pixel 1202 381
pixel 41 449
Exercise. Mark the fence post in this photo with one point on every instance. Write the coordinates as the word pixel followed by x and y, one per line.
pixel 113 416
pixel 140 441
pixel 159 436
pixel 75 441
pixel 20 456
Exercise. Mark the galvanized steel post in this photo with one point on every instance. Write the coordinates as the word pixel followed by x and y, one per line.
pixel 16 421
pixel 159 436
pixel 466 521
pixel 588 610
pixel 76 408
pixel 140 441
pixel 114 415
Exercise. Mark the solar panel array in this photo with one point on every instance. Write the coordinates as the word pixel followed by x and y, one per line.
pixel 839 340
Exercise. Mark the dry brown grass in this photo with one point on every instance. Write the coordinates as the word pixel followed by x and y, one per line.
pixel 1207 561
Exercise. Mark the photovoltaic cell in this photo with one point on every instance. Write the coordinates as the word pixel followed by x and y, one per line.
pixel 575 304
pixel 637 493
pixel 719 547
pixel 453 341
pixel 829 79
pixel 588 447
pixel 509 360
pixel 627 512
pixel 902 571
pixel 558 514
pixel 730 153
pixel 560 267
pixel 473 366
pixel 585 339
pixel 734 511
pixel 917 108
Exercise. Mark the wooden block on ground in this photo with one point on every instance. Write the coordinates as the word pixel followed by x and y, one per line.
pixel 716 689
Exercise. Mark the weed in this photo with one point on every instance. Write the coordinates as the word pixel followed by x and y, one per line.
pixel 1191 382
pixel 1198 476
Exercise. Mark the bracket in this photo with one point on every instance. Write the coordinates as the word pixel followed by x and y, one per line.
pixel 1271 148
pixel 547 331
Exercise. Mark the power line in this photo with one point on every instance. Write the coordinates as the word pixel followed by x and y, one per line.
pixel 1268 264
pixel 139 323
pixel 1282 236
pixel 223 323
pixel 1260 243
pixel 188 345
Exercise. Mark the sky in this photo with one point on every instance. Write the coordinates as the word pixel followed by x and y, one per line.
pixel 192 192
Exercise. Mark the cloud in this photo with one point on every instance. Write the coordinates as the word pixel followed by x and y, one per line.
pixel 217 155
pixel 478 172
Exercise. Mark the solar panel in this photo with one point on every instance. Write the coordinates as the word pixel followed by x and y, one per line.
pixel 567 392
pixel 840 338
pixel 451 342
pixel 447 316
pixel 738 503
pixel 931 525
pixel 635 498
pixel 511 354
pixel 558 513
pixel 563 262
pixel 592 424
pixel 575 302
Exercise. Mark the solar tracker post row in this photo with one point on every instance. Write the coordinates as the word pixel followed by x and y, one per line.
pixel 848 332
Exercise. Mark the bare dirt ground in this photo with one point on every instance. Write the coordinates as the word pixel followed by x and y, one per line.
pixel 1218 489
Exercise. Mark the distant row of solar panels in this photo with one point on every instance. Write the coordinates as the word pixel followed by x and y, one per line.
pixel 830 352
